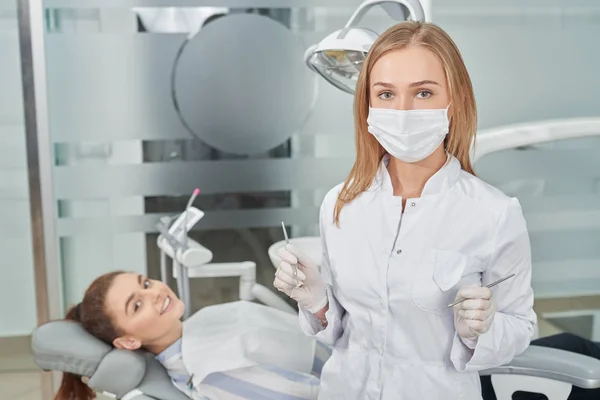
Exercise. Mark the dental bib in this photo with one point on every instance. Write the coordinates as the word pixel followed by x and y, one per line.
pixel 243 334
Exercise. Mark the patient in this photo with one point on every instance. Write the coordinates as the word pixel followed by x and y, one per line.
pixel 130 312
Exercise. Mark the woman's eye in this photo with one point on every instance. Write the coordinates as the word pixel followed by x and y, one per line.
pixel 424 94
pixel 137 305
pixel 385 95
pixel 146 283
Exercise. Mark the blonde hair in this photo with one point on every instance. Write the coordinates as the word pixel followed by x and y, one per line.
pixel 463 112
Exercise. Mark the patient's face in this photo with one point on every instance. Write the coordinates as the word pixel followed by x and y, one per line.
pixel 146 311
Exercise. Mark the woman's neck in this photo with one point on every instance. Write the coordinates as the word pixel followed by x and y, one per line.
pixel 165 341
pixel 409 179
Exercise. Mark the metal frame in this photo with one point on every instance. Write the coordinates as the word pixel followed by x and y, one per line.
pixel 39 165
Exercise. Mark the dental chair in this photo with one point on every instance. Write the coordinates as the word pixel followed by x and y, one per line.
pixel 65 346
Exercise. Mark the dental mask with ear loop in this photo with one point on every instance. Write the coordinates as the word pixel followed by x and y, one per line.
pixel 409 135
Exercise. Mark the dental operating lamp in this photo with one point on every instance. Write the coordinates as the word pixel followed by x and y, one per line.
pixel 339 56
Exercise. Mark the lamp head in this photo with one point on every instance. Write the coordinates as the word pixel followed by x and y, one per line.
pixel 339 57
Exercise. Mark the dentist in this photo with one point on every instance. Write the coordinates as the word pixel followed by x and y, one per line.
pixel 410 230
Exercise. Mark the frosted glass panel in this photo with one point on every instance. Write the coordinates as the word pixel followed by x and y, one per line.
pixel 18 314
pixel 124 156
pixel 510 48
pixel 11 110
pixel 226 176
pixel 557 183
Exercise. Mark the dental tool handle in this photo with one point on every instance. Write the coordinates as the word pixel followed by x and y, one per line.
pixel 187 212
pixel 192 198
pixel 285 235
pixel 171 239
pixel 295 266
pixel 163 267
pixel 489 286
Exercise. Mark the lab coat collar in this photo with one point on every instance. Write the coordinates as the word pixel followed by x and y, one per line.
pixel 440 182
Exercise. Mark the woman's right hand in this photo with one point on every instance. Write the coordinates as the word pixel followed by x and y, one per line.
pixel 308 287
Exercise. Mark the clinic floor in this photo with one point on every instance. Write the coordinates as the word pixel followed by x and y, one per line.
pixel 20 378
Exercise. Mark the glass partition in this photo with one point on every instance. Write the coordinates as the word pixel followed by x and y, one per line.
pixel 17 267
pixel 149 100
pixel 18 312
pixel 557 184
pixel 142 112
pixel 140 116
pixel 510 49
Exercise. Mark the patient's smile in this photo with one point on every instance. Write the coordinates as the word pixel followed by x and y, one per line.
pixel 166 305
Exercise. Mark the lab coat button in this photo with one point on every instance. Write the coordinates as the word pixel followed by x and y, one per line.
pixel 398 251
pixel 413 204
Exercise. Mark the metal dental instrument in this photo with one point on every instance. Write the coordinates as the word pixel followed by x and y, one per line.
pixel 491 285
pixel 190 385
pixel 294 266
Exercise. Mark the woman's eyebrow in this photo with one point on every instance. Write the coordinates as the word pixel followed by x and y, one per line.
pixel 425 82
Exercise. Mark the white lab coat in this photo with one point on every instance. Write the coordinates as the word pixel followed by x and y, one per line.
pixel 390 276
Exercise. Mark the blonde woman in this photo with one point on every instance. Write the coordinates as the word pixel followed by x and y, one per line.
pixel 409 231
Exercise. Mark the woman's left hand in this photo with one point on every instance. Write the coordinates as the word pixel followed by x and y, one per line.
pixel 474 316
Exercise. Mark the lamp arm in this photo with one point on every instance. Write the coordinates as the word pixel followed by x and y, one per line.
pixel 394 8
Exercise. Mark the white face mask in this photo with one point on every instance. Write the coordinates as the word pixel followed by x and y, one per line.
pixel 409 135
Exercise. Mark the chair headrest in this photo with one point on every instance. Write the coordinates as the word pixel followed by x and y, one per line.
pixel 65 346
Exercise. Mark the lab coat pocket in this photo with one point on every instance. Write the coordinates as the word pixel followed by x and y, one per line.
pixel 434 286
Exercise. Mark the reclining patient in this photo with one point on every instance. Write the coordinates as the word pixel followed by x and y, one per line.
pixel 231 351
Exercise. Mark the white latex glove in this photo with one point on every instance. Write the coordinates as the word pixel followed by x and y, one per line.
pixel 473 317
pixel 309 288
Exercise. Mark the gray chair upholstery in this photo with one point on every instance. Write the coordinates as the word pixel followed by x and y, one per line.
pixel 65 346
pixel 560 365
